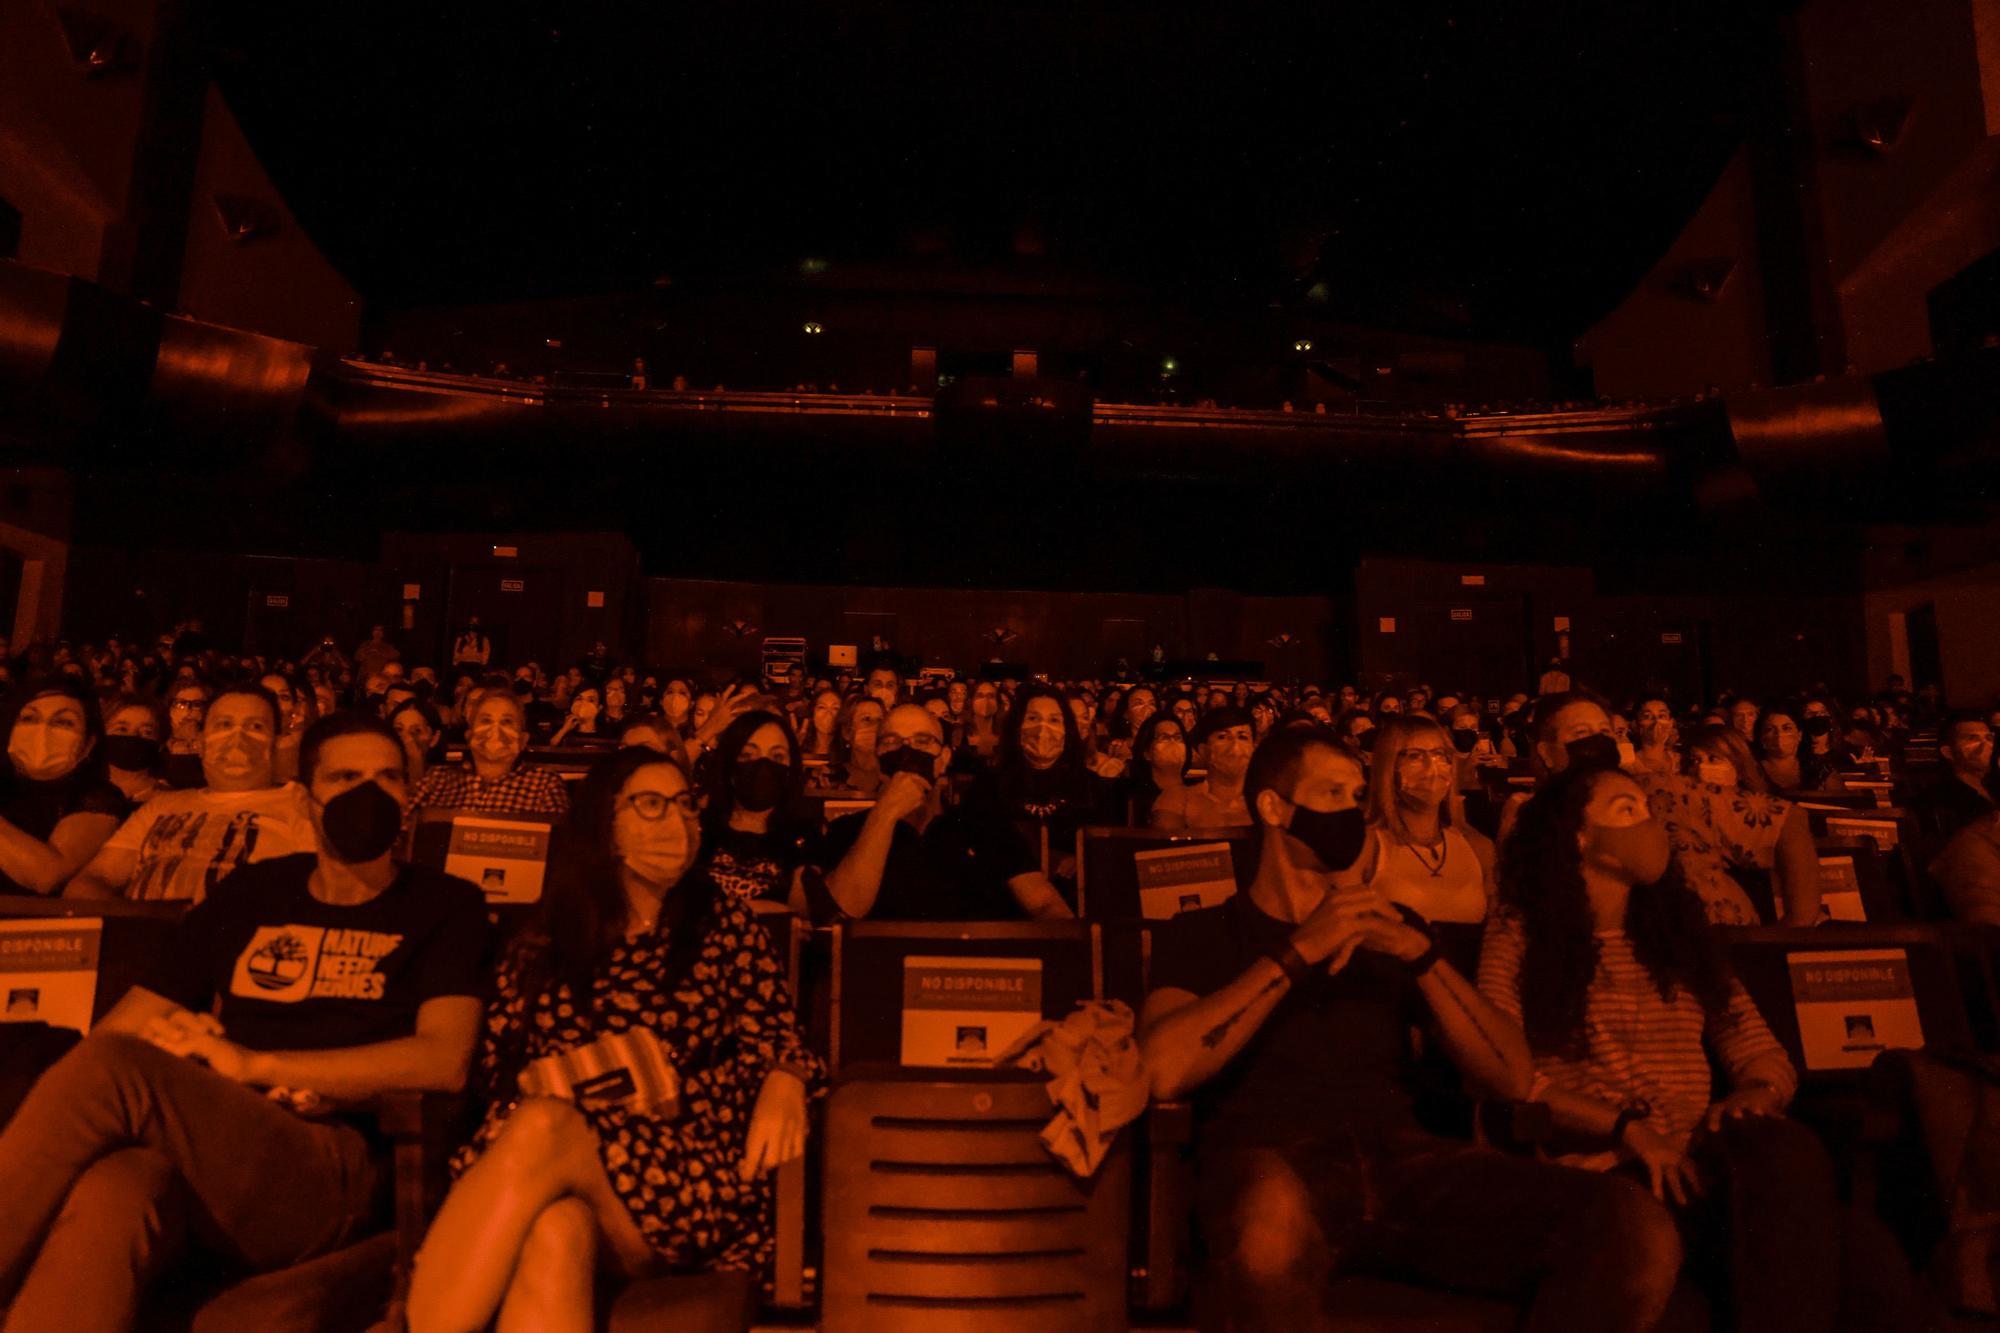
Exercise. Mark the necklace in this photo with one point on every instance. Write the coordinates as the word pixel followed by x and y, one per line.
pixel 1423 856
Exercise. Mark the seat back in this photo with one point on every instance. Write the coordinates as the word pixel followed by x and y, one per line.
pixel 1854 882
pixel 944 1213
pixel 66 961
pixel 884 1006
pixel 1835 997
pixel 1112 862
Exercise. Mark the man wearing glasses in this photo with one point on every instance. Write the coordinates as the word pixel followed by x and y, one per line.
pixel 908 858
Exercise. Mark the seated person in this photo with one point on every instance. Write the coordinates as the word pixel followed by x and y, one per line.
pixel 853 768
pixel 1421 852
pixel 749 788
pixel 1965 793
pixel 1786 753
pixel 492 777
pixel 1717 832
pixel 306 983
pixel 1223 740
pixel 907 858
pixel 1968 871
pixel 181 844
pixel 635 943
pixel 1605 953
pixel 1285 1013
pixel 56 808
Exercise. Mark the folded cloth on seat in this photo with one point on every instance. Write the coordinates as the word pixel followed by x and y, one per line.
pixel 1097 1082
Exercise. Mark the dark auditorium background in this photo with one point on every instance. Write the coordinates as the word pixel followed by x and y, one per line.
pixel 1355 342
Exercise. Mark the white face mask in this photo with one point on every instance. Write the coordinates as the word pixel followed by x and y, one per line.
pixel 42 752
pixel 658 851
pixel 1717 773
pixel 1171 753
pixel 1042 742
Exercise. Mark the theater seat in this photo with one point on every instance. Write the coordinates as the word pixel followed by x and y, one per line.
pixel 943 1210
pixel 335 1293
pixel 686 1303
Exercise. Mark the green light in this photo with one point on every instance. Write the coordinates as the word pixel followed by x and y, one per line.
pixel 1169 366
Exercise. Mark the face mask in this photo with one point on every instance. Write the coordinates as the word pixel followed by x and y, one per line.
pixel 907 759
pixel 1719 774
pixel 1592 753
pixel 585 709
pixel 493 743
pixel 361 824
pixel 1638 854
pixel 1042 743
pixel 234 753
pixel 985 706
pixel 1463 739
pixel 134 754
pixel 1817 726
pixel 42 752
pixel 661 851
pixel 1173 754
pixel 1334 836
pixel 676 706
pixel 758 784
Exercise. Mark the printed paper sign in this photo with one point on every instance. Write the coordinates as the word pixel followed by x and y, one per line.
pixel 48 971
pixel 1840 890
pixel 832 810
pixel 964 1011
pixel 504 857
pixel 1853 1005
pixel 1173 880
pixel 1883 831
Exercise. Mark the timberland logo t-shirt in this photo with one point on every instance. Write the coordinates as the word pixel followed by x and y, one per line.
pixel 288 963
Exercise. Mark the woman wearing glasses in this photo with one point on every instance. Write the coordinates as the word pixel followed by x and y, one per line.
pixel 1420 851
pixel 641 964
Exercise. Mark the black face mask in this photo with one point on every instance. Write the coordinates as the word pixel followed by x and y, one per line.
pixel 1335 836
pixel 134 754
pixel 1463 739
pixel 1817 726
pixel 906 759
pixel 758 784
pixel 361 823
pixel 1593 754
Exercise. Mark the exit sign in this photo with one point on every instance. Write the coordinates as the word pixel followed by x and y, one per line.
pixel 1671 636
pixel 510 585
pixel 277 599
pixel 1461 613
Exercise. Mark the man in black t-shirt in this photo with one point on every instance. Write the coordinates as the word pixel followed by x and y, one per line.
pixel 1285 1014
pixel 909 859
pixel 208 1103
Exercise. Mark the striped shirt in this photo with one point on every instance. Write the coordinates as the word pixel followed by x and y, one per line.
pixel 525 791
pixel 1636 1045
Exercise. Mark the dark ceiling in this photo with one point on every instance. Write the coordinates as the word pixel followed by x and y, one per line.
pixel 1499 170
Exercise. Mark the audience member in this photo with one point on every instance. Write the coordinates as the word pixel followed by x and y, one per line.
pixel 1421 853
pixel 1603 954
pixel 135 727
pixel 1965 793
pixel 1223 742
pixel 492 777
pixel 204 1109
pixel 640 956
pixel 1284 1013
pixel 909 858
pixel 56 807
pixel 1159 764
pixel 749 787
pixel 180 844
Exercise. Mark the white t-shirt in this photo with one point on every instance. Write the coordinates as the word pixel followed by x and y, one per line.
pixel 187 841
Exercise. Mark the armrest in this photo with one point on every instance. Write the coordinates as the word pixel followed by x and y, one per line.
pixel 1169 1207
pixel 423 1128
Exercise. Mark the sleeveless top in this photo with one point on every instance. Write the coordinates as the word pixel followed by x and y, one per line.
pixel 1449 889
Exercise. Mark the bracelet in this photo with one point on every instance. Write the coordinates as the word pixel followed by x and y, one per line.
pixel 1425 961
pixel 1291 962
pixel 1627 1114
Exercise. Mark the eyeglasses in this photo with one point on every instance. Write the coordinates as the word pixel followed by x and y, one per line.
pixel 652 805
pixel 1425 758
pixel 922 743
pixel 187 705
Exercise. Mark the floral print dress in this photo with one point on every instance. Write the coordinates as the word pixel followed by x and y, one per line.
pixel 726 1024
pixel 1713 831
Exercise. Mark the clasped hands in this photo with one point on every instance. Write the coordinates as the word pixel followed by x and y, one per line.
pixel 1356 916
pixel 199 1037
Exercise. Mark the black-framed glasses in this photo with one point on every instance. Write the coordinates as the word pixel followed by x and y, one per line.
pixel 923 743
pixel 653 805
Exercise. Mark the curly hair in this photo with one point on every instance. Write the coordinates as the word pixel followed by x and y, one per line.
pixel 1541 885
